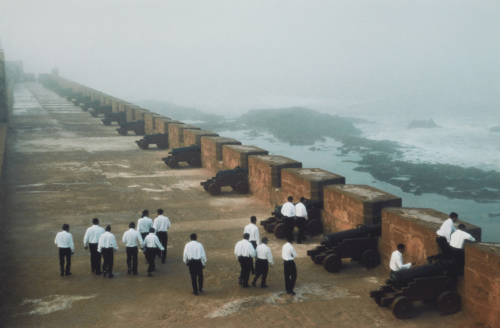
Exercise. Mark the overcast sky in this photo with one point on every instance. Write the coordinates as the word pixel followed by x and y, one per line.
pixel 234 55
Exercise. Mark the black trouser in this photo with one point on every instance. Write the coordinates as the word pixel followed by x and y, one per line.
pixel 144 235
pixel 150 257
pixel 246 264
pixel 65 253
pixel 163 237
pixel 302 225
pixel 261 268
pixel 95 258
pixel 108 257
pixel 445 247
pixel 254 244
pixel 290 225
pixel 132 253
pixel 290 275
pixel 458 255
pixel 196 270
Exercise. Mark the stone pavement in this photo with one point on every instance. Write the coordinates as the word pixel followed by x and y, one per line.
pixel 63 166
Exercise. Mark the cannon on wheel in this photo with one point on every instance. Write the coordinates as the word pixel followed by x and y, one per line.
pixel 236 178
pixel 360 244
pixel 435 282
pixel 100 110
pixel 160 139
pixel 90 104
pixel 191 155
pixel 119 117
pixel 82 99
pixel 136 126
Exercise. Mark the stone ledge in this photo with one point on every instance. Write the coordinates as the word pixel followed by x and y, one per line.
pixel 237 155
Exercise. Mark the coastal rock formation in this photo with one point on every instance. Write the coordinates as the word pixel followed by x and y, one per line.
pixel 423 124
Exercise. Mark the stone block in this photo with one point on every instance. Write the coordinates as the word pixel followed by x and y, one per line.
pixel 129 110
pixel 237 155
pixel 176 134
pixel 211 151
pixel 161 124
pixel 193 137
pixel 308 183
pixel 149 122
pixel 139 113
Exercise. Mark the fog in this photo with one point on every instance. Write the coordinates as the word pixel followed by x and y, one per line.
pixel 229 56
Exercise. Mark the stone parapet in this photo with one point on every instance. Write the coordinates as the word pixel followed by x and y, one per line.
pixel 237 155
pixel 211 151
pixel 193 137
pixel 149 122
pixel 129 110
pixel 176 134
pixel 139 113
pixel 161 124
pixel 308 183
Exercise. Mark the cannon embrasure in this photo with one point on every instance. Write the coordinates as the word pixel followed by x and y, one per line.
pixel 274 224
pixel 360 244
pixel 119 117
pixel 191 155
pixel 160 139
pixel 90 104
pixel 236 178
pixel 136 126
pixel 96 111
pixel 427 283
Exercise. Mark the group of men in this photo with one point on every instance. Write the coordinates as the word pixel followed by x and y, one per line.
pixel 295 215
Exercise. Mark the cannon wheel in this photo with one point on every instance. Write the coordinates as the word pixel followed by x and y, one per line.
pixel 370 258
pixel 143 144
pixel 449 302
pixel 166 161
pixel 241 187
pixel 279 230
pixel 402 307
pixel 173 163
pixel 106 122
pixel 332 263
pixel 314 228
pixel 195 162
pixel 162 144
pixel 214 189
pixel 122 132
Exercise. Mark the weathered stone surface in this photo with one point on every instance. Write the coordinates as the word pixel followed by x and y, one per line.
pixel 130 110
pixel 176 134
pixel 211 151
pixel 161 124
pixel 237 155
pixel 193 137
pixel 149 122
pixel 308 183
pixel 139 113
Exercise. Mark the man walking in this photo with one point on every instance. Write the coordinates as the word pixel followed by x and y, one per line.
pixel 64 240
pixel 301 214
pixel 143 226
pixel 444 235
pixel 195 258
pixel 262 262
pixel 254 239
pixel 289 254
pixel 91 240
pixel 107 246
pixel 130 238
pixel 151 245
pixel 161 225
pixel 245 252
pixel 288 211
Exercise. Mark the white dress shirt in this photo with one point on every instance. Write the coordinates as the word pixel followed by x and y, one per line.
pixel 300 210
pixel 288 253
pixel 459 237
pixel 253 231
pixel 107 240
pixel 162 223
pixel 131 237
pixel 447 228
pixel 244 248
pixel 64 240
pixel 152 241
pixel 264 253
pixel 144 224
pixel 194 251
pixel 288 209
pixel 92 235
pixel 397 262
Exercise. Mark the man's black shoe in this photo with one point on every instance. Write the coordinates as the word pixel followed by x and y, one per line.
pixel 110 275
pixel 68 273
pixel 239 281
pixel 195 293
pixel 98 273
pixel 149 274
pixel 135 273
pixel 291 293
pixel 104 273
pixel 201 290
pixel 129 271
pixel 263 286
pixel 245 286
pixel 62 274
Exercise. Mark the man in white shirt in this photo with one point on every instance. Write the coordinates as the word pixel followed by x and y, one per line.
pixel 457 242
pixel 396 263
pixel 263 260
pixel 288 212
pixel 64 240
pixel 130 238
pixel 288 254
pixel 195 258
pixel 444 235
pixel 301 214
pixel 161 225
pixel 143 226
pixel 253 231
pixel 151 245
pixel 245 253
pixel 107 246
pixel 90 240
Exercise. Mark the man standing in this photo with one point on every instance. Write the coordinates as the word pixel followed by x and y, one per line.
pixel 64 240
pixel 107 246
pixel 288 211
pixel 301 214
pixel 264 259
pixel 130 239
pixel 457 242
pixel 245 252
pixel 161 225
pixel 151 244
pixel 444 234
pixel 144 224
pixel 195 258
pixel 91 240
pixel 253 231
pixel 288 254
pixel 396 263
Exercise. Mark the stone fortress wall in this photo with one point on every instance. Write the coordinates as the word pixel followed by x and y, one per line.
pixel 272 178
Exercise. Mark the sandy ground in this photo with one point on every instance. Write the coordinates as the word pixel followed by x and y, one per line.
pixel 63 166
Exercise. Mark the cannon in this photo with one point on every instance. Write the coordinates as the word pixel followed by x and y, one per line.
pixel 435 282
pixel 136 126
pixel 119 117
pixel 274 224
pixel 160 139
pixel 82 99
pixel 236 178
pixel 90 104
pixel 191 155
pixel 100 110
pixel 359 244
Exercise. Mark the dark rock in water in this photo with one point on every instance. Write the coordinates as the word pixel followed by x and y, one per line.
pixel 495 129
pixel 423 124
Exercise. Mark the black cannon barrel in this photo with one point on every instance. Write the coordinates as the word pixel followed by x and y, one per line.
pixel 333 239
pixel 402 278
pixel 110 115
pixel 176 151
pixel 236 170
pixel 313 204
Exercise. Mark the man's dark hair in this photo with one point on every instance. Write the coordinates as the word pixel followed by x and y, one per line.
pixel 453 215
pixel 264 240
pixel 131 225
pixel 401 246
pixel 108 228
pixel 290 198
pixel 193 236
pixel 145 213
pixel 95 221
pixel 160 211
pixel 253 219
pixel 65 227
pixel 289 239
pixel 151 230
pixel 246 236
pixel 302 199
pixel 461 226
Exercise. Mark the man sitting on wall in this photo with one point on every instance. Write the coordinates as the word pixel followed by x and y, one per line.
pixel 397 259
pixel 457 242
